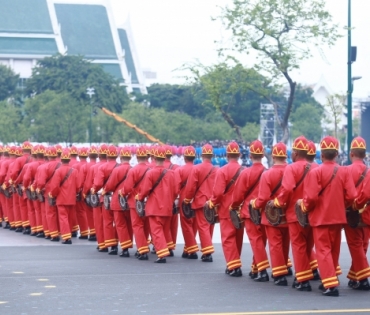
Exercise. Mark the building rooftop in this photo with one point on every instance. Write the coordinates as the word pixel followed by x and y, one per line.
pixel 128 55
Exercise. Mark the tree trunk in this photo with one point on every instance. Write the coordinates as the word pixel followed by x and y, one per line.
pixel 232 124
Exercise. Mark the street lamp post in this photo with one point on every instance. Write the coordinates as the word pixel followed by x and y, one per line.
pixel 90 91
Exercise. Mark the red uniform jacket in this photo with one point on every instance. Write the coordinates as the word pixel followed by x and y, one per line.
pixel 133 177
pixel 46 174
pixel 269 181
pixel 196 178
pixel 79 167
pixel 289 194
pixel 18 165
pixel 363 190
pixel 224 176
pixel 82 174
pixel 89 182
pixel 103 173
pixel 73 161
pixel 247 179
pixel 114 182
pixel 168 164
pixel 329 207
pixel 66 192
pixel 181 176
pixel 160 201
pixel 4 169
pixel 30 173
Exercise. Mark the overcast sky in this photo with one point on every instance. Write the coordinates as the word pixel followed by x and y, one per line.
pixel 169 33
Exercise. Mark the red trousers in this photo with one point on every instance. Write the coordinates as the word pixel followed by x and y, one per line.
pixel 110 234
pixel 327 243
pixel 232 242
pixel 52 219
pixel 302 245
pixel 355 239
pixel 4 207
pixel 45 222
pixel 10 206
pixel 90 218
pixel 99 228
pixel 31 215
pixel 189 229
pixel 140 226
pixel 17 211
pixel 174 228
pixel 73 220
pixel 82 218
pixel 24 211
pixel 64 220
pixel 160 229
pixel 257 238
pixel 38 214
pixel 123 225
pixel 205 231
pixel 278 239
pixel 2 211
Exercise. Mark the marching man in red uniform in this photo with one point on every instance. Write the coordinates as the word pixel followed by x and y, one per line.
pixel 188 226
pixel 278 236
pixel 358 238
pixel 246 189
pixel 101 177
pixel 121 218
pixel 5 165
pixel 64 188
pixel 327 191
pixel 159 188
pixel 301 238
pixel 199 189
pixel 129 189
pixel 232 238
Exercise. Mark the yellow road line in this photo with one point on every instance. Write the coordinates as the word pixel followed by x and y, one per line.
pixel 291 312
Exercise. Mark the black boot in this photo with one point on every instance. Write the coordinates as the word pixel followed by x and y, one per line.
pixel 290 271
pixel 67 242
pixel 160 261
pixel 316 275
pixel 280 281
pixel 12 228
pixel 92 238
pixel 153 250
pixel 304 286
pixel 55 239
pixel 40 235
pixel 114 250
pixel 125 253
pixel 74 234
pixel 27 231
pixel 19 230
pixel 352 283
pixel 103 250
pixel 83 237
pixel 362 285
pixel 331 292
pixel 295 283
pixel 7 225
pixel 171 253
pixel 237 272
pixel 262 276
pixel 193 256
pixel 33 234
pixel 207 258
pixel 184 255
pixel 137 254
pixel 143 257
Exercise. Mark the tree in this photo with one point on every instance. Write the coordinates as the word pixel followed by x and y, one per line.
pixel 56 117
pixel 11 122
pixel 230 91
pixel 334 108
pixel 250 132
pixel 306 121
pixel 281 32
pixel 8 82
pixel 73 74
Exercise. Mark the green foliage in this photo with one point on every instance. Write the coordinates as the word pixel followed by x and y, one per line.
pixel 306 121
pixel 250 132
pixel 11 122
pixel 56 117
pixel 74 74
pixel 231 91
pixel 282 33
pixel 8 82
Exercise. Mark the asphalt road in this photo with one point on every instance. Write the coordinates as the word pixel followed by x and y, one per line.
pixel 40 277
